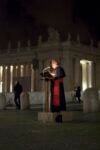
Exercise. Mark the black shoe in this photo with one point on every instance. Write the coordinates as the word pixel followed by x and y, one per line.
pixel 58 118
pixel 17 107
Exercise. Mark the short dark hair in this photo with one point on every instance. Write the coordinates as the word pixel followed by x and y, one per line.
pixel 56 60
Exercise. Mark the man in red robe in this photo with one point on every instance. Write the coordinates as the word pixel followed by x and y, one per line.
pixel 58 102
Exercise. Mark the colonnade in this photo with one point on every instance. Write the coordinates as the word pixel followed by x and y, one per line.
pixel 8 74
pixel 78 73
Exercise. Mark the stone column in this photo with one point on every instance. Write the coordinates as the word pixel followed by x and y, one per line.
pixel 1 77
pixel 23 74
pixel 84 76
pixel 2 101
pixel 8 79
pixel 14 74
pixel 27 76
pixel 21 70
pixel 16 71
pixel 32 78
pixel 97 74
pixel 93 74
pixel 36 81
pixel 41 66
pixel 27 70
pixel 11 78
pixel 87 74
pixel 5 79
pixel 69 70
pixel 78 73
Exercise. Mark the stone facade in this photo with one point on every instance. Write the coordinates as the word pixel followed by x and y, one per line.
pixel 81 63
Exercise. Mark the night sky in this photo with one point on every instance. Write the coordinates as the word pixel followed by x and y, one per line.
pixel 27 19
pixel 89 11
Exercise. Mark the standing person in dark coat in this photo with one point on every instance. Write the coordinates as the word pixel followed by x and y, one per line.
pixel 57 89
pixel 78 93
pixel 17 91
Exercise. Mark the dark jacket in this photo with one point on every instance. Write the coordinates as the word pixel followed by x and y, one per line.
pixel 18 89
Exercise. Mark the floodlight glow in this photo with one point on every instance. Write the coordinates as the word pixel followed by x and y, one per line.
pixel 22 70
pixel 11 78
pixel 86 74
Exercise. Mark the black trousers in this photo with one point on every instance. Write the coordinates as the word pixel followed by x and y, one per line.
pixel 17 101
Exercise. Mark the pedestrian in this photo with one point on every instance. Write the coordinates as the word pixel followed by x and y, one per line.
pixel 57 89
pixel 78 93
pixel 55 74
pixel 17 91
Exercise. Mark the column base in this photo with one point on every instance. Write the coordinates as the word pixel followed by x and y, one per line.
pixel 71 115
pixel 46 116
pixel 66 116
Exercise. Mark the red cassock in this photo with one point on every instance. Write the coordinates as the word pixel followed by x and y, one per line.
pixel 56 91
pixel 58 102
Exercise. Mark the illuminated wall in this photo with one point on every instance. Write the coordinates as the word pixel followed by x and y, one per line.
pixel 8 73
pixel 86 74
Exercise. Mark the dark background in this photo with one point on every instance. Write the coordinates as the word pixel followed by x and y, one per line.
pixel 27 19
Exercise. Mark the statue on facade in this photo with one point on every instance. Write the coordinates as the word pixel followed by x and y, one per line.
pixel 98 44
pixel 9 46
pixel 78 39
pixel 29 43
pixel 91 43
pixel 39 40
pixel 69 39
pixel 53 35
pixel 57 36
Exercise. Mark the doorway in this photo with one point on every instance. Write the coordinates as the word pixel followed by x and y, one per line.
pixel 86 74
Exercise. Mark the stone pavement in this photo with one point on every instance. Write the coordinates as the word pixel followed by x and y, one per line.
pixel 20 130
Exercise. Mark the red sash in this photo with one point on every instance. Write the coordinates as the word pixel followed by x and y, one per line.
pixel 56 92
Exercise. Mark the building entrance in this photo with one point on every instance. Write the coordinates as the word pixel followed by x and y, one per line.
pixel 86 74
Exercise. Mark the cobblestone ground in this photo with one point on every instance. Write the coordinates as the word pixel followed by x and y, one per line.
pixel 20 130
